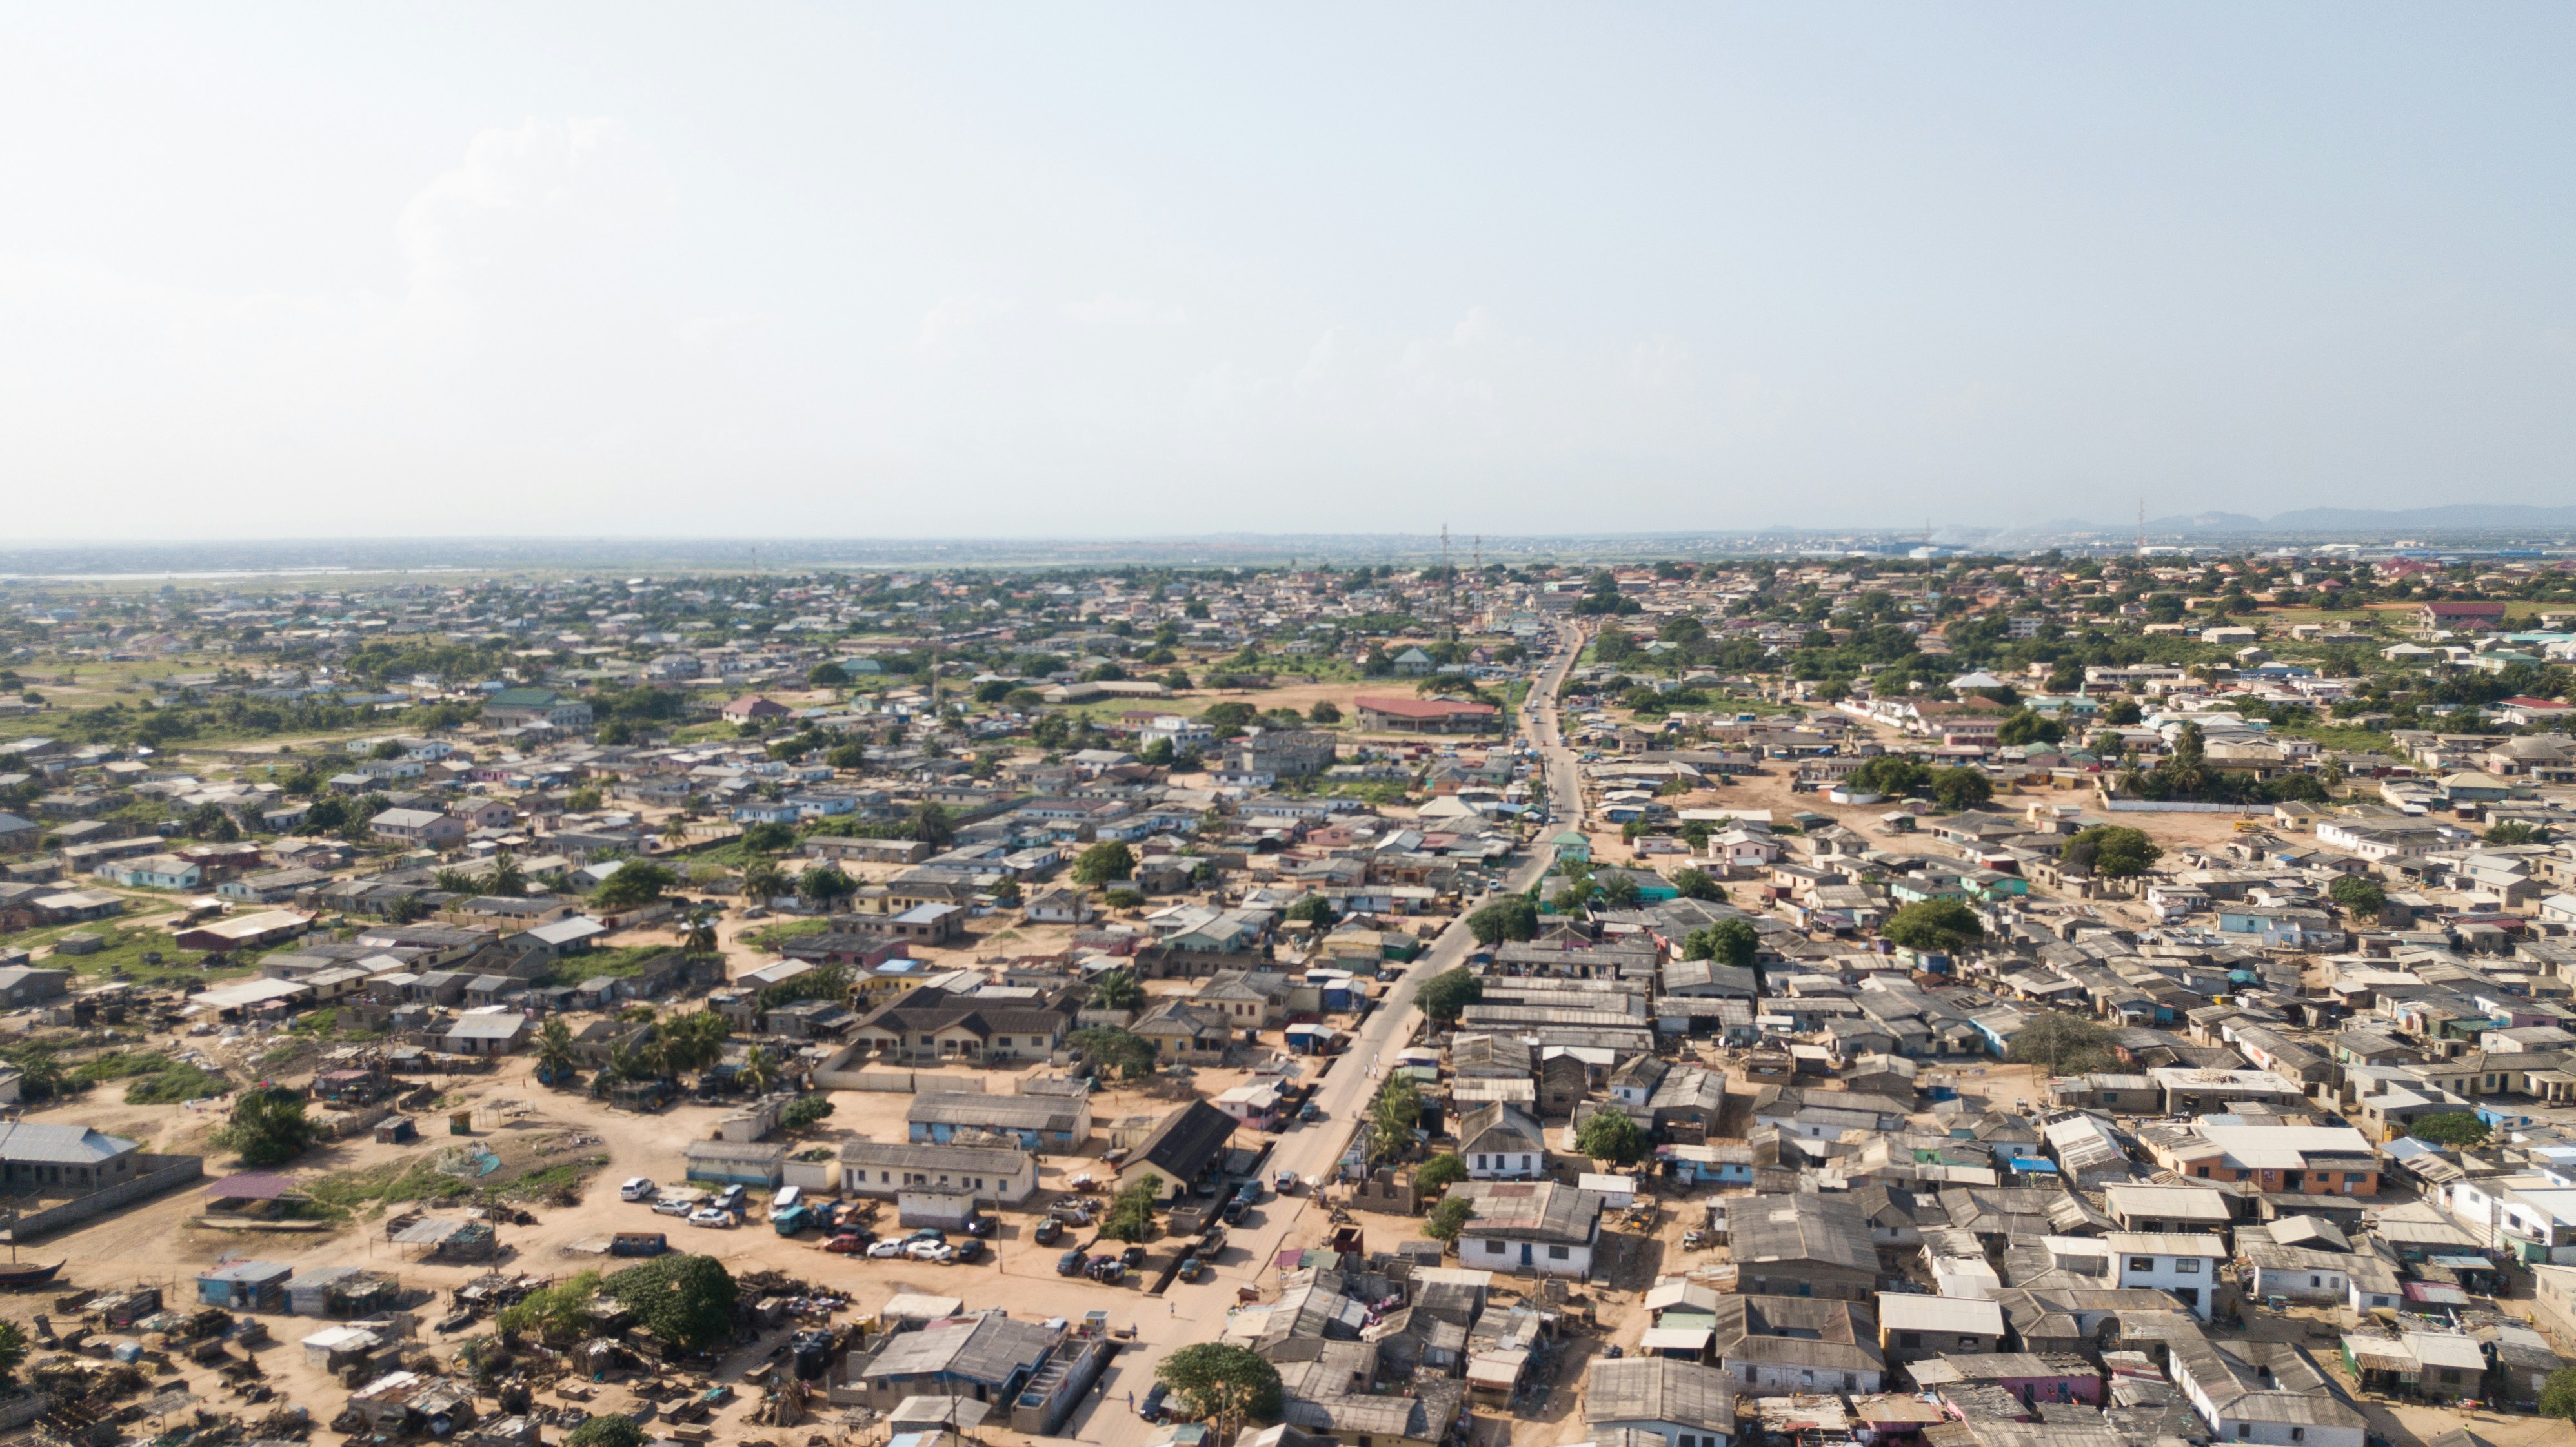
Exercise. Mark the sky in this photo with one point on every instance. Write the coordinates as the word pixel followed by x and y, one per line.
pixel 1114 270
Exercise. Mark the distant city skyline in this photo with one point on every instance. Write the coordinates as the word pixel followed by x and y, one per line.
pixel 293 271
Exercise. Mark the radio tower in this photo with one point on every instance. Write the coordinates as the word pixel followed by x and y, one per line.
pixel 2142 527
pixel 1448 586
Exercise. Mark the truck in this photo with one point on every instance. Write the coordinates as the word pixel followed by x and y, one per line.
pixel 791 1220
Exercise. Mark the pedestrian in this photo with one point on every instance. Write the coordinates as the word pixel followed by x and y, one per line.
pixel 1171 1307
pixel 1131 1397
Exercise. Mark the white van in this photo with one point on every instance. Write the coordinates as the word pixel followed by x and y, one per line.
pixel 787 1198
pixel 637 1188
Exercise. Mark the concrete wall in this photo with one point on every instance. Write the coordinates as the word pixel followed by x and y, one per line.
pixel 159 1174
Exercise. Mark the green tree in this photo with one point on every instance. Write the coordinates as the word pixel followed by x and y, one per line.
pixel 1314 909
pixel 1697 884
pixel 1609 1135
pixel 1131 1056
pixel 2450 1128
pixel 2023 728
pixel 805 1111
pixel 1439 1173
pixel 608 1429
pixel 1131 1212
pixel 1957 789
pixel 2558 1394
pixel 268 1127
pixel 932 826
pixel 1394 1115
pixel 2359 897
pixel 2060 1044
pixel 555 1059
pixel 507 880
pixel 763 881
pixel 1448 993
pixel 827 674
pixel 1729 942
pixel 698 932
pixel 767 837
pixel 1448 1219
pixel 558 1313
pixel 1221 1385
pixel 759 1075
pixel 1117 989
pixel 1891 775
pixel 825 885
pixel 2512 831
pixel 1325 711
pixel 1103 862
pixel 2113 851
pixel 686 1300
pixel 636 882
pixel 13 1351
pixel 1935 926
pixel 692 1042
pixel 1507 917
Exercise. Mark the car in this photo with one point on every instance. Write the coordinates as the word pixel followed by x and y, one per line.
pixel 672 1207
pixel 787 1199
pixel 980 1226
pixel 755 912
pixel 638 1188
pixel 930 1251
pixel 1069 1264
pixel 1310 1111
pixel 1151 1409
pixel 732 1198
pixel 927 1233
pixel 850 1243
pixel 968 1250
pixel 886 1250
pixel 1106 1268
pixel 1132 1257
pixel 1049 1232
pixel 712 1217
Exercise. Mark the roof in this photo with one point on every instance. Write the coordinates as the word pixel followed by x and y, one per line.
pixel 1825 1229
pixel 1659 1389
pixel 61 1145
pixel 1910 1311
pixel 2158 1243
pixel 988 1350
pixel 904 1156
pixel 1542 1211
pixel 1421 708
pixel 1185 1143
pixel 1008 1112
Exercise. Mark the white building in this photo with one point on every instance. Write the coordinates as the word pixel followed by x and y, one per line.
pixel 2185 1265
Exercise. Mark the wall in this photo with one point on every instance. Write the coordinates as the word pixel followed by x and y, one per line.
pixel 160 1173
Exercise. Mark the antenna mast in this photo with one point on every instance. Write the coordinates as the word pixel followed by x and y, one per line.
pixel 1448 585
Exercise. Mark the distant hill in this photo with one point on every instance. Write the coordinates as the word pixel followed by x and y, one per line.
pixel 2458 517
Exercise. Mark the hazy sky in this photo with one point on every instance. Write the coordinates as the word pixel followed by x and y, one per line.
pixel 1100 269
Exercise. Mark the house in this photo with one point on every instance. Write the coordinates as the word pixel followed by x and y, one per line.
pixel 63 1159
pixel 419 826
pixel 489 1033
pixel 926 1025
pixel 1541 1227
pixel 155 871
pixel 1062 905
pixel 520 707
pixel 24 985
pixel 1913 1327
pixel 988 1358
pixel 1255 1104
pixel 1803 1245
pixel 876 1168
pixel 1039 1122
pixel 2313 1159
pixel 2476 617
pixel 1499 1143
pixel 1684 1404
pixel 753 709
pixel 1184 1146
pixel 1787 1344
pixel 748 1163
pixel 2267 1392
pixel 2185 1265
pixel 1384 713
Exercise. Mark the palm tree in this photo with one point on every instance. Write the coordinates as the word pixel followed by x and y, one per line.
pixel 692 1042
pixel 675 831
pixel 759 1071
pixel 554 1050
pixel 763 881
pixel 508 880
pixel 698 932
pixel 1117 990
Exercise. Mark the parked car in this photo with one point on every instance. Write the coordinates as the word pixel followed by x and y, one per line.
pixel 980 1226
pixel 930 1251
pixel 735 1197
pixel 710 1216
pixel 787 1199
pixel 1285 1183
pixel 850 1243
pixel 968 1250
pixel 1069 1264
pixel 1049 1232
pixel 672 1207
pixel 927 1233
pixel 886 1250
pixel 1151 1409
pixel 637 1188
pixel 1132 1258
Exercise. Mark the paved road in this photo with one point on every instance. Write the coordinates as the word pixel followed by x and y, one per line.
pixel 1197 1313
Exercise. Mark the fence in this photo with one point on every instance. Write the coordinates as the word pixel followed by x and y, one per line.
pixel 172 1171
pixel 2168 806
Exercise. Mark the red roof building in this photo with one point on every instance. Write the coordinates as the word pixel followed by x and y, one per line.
pixel 1384 712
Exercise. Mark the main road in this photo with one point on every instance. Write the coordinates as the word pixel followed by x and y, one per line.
pixel 1197 1312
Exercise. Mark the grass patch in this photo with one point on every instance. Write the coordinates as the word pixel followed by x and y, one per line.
pixel 699 733
pixel 125 948
pixel 372 1189
pixel 324 1024
pixel 772 937
pixel 2348 740
pixel 178 1083
pixel 566 1176
pixel 621 963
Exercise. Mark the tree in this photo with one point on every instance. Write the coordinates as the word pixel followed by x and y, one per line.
pixel 692 1042
pixel 1103 862
pixel 1889 774
pixel 675 831
pixel 1609 1135
pixel 1729 942
pixel 1117 989
pixel 1621 892
pixel 1314 909
pixel 555 1059
pixel 2060 1044
pixel 768 837
pixel 2359 897
pixel 1131 1211
pixel 2512 831
pixel 2113 851
pixel 2451 1128
pixel 804 1111
pixel 507 879
pixel 827 674
pixel 606 1430
pixel 762 881
pixel 636 882
pixel 698 932
pixel 1221 1385
pixel 1934 926
pixel 1448 1218
pixel 1448 993
pixel 759 1075
pixel 268 1127
pixel 1509 917
pixel 2558 1394
pixel 2024 727
pixel 931 826
pixel 1131 1056
pixel 1957 789
pixel 1696 884
pixel 1325 711
pixel 1394 1116
pixel 825 885
pixel 1440 1172
pixel 13 1351
pixel 685 1300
